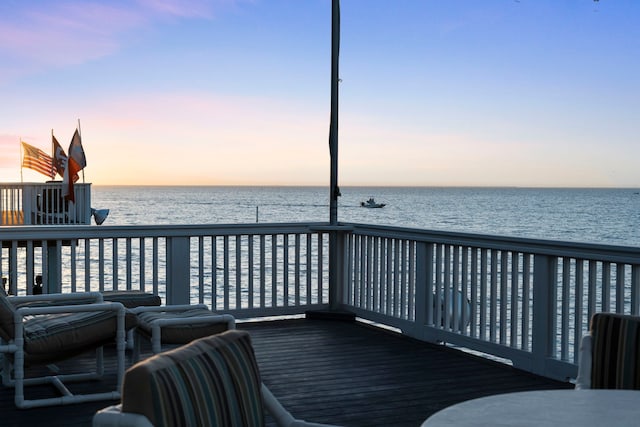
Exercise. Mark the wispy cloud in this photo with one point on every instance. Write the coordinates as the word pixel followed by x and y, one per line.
pixel 65 34
pixel 184 9
pixel 38 37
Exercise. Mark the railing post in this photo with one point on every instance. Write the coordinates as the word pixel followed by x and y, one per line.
pixel 543 311
pixel 178 270
pixel 54 272
pixel 336 268
pixel 423 288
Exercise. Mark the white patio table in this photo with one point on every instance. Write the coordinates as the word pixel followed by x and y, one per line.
pixel 583 408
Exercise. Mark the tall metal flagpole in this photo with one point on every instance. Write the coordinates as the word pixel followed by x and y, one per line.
pixel 333 127
pixel 335 247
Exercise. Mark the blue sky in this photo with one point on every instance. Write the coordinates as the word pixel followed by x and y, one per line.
pixel 455 92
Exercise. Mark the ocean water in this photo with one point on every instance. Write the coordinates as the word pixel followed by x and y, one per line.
pixel 609 216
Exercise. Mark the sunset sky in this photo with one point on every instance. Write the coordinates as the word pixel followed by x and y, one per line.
pixel 433 92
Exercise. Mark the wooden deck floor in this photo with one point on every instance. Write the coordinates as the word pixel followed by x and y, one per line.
pixel 343 373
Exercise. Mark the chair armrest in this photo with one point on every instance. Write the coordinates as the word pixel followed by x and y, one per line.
pixel 583 380
pixel 86 297
pixel 76 308
pixel 178 307
pixel 205 320
pixel 283 417
pixel 112 416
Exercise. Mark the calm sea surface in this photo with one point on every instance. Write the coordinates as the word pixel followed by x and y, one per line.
pixel 610 216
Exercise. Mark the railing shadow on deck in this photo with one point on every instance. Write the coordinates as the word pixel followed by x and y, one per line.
pixel 525 300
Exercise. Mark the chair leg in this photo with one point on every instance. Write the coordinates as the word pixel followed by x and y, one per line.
pixel 18 372
pixel 67 397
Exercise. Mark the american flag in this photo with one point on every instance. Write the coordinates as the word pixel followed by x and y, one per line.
pixel 38 160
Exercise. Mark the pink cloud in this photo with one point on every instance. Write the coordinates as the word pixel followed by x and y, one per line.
pixel 73 32
pixel 67 33
pixel 9 151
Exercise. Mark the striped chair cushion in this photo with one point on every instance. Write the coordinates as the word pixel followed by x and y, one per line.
pixel 7 310
pixel 213 381
pixel 180 334
pixel 616 351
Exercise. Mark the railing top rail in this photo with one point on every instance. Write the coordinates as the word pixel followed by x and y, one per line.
pixel 54 232
pixel 580 250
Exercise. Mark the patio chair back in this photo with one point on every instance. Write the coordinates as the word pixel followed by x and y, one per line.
pixel 213 381
pixel 7 319
pixel 615 351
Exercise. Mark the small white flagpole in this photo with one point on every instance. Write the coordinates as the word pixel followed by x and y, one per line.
pixel 21 157
pixel 80 135
pixel 54 169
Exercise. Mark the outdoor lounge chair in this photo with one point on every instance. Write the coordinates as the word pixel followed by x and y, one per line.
pixel 177 324
pixel 45 329
pixel 610 354
pixel 212 381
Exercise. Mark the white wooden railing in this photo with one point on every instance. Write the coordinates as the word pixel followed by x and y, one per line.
pixel 43 204
pixel 263 270
pixel 525 300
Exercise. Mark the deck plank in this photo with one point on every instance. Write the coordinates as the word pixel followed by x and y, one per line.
pixel 338 372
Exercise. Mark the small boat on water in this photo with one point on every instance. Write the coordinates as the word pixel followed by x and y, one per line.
pixel 371 203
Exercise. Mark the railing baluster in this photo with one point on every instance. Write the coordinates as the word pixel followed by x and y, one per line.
pixel 101 265
pixel 514 330
pixel 200 269
pixel 297 270
pixel 504 299
pixel 566 278
pixel 446 289
pixel 473 321
pixel 578 308
pixel 483 293
pixel 493 299
pixel 250 271
pixel 238 268
pixel 412 281
pixel 402 301
pixel 226 272
pixel 620 288
pixel 215 298
pixel 309 269
pixel 527 269
pixel 606 286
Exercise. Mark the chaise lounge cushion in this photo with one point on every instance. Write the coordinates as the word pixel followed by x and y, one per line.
pixel 616 351
pixel 213 381
pixel 50 337
pixel 180 334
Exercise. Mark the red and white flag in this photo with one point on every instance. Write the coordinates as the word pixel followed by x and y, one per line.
pixel 75 163
pixel 76 152
pixel 59 157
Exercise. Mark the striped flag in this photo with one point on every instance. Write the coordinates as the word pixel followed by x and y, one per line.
pixel 76 161
pixel 36 159
pixel 59 156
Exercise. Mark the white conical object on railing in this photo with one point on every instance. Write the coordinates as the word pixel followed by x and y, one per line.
pixel 99 215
